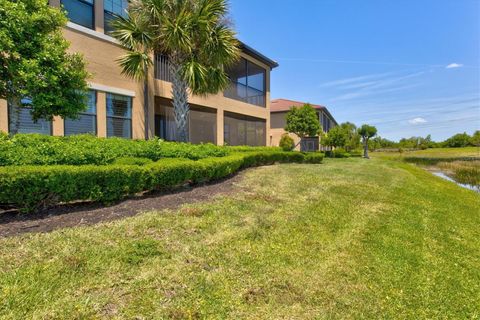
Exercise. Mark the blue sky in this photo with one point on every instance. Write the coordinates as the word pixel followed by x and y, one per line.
pixel 409 67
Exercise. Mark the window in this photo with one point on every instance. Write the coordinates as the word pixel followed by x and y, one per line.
pixel 87 122
pixel 243 130
pixel 26 124
pixel 80 12
pixel 202 124
pixel 113 8
pixel 247 83
pixel 119 116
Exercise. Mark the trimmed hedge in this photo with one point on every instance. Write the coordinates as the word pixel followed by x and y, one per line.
pixel 30 188
pixel 36 149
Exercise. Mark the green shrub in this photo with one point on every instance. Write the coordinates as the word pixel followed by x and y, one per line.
pixel 36 149
pixel 287 143
pixel 132 161
pixel 314 157
pixel 33 187
pixel 338 153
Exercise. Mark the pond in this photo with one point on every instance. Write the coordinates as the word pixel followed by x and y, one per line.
pixel 466 186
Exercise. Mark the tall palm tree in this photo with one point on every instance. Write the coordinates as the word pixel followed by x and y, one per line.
pixel 193 34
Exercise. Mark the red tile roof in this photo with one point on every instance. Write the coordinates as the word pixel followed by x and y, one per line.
pixel 281 105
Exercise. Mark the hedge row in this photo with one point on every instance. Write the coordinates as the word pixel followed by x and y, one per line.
pixel 36 149
pixel 30 188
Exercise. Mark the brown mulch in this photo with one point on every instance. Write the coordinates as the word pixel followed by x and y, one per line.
pixel 83 214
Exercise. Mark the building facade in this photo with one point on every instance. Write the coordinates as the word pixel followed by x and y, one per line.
pixel 239 115
pixel 278 112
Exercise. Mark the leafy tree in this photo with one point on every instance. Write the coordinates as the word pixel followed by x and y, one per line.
pixel 380 143
pixel 336 137
pixel 194 35
pixel 475 140
pixel 457 141
pixel 353 138
pixel 366 132
pixel 36 70
pixel 303 122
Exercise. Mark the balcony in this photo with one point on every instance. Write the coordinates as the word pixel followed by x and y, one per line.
pixel 247 81
pixel 241 92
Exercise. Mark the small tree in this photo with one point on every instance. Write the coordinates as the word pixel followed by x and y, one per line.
pixel 458 141
pixel 286 143
pixel 336 137
pixel 475 140
pixel 352 137
pixel 35 69
pixel 303 122
pixel 366 132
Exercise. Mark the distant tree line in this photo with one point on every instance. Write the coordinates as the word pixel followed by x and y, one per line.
pixel 458 140
pixel 347 136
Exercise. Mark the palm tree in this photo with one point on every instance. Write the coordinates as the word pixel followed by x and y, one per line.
pixel 195 37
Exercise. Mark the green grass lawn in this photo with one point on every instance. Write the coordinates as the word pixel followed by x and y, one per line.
pixel 350 238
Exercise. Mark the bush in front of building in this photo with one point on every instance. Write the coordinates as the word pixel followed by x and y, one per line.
pixel 313 157
pixel 338 153
pixel 30 188
pixel 36 149
pixel 286 143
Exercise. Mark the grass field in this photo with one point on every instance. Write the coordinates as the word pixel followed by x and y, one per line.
pixel 351 238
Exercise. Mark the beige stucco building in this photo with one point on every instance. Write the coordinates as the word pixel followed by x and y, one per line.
pixel 238 116
pixel 278 112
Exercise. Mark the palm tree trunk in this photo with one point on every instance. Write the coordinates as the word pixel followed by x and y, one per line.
pixel 365 149
pixel 146 104
pixel 180 102
pixel 15 105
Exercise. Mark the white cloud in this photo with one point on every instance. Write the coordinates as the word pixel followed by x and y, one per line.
pixel 454 65
pixel 417 121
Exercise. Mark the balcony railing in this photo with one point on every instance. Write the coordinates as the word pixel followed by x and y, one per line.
pixel 161 68
pixel 241 92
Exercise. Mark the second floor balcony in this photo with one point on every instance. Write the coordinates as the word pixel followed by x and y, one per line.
pixel 247 80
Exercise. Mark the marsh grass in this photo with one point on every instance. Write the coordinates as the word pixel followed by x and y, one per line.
pixel 466 172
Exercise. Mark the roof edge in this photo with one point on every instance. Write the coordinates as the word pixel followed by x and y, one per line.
pixel 259 56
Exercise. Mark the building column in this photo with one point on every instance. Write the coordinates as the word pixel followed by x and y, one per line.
pixel 268 133
pixel 99 16
pixel 220 127
pixel 58 126
pixel 101 114
pixel 3 116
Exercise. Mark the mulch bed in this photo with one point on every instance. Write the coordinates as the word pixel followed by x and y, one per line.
pixel 83 214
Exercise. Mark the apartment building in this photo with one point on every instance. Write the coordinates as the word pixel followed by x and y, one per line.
pixel 278 112
pixel 238 116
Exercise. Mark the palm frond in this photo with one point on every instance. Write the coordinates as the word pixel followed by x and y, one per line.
pixel 133 32
pixel 134 64
pixel 221 47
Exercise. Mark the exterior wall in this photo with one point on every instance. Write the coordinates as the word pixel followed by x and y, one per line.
pixel 100 51
pixel 278 123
